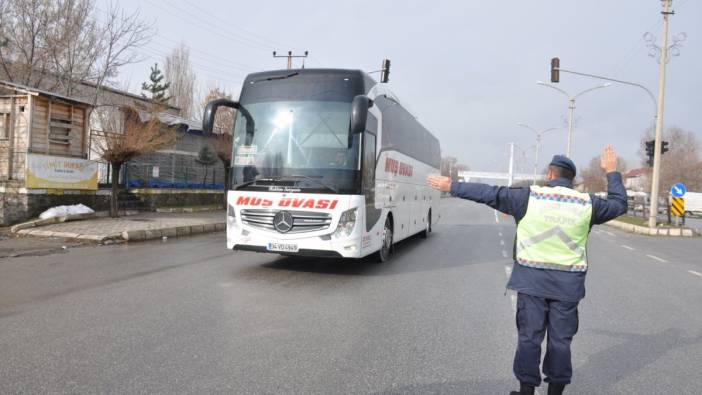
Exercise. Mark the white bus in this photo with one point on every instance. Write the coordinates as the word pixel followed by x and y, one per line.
pixel 326 163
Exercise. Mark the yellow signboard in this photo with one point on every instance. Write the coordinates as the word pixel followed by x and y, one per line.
pixel 57 172
pixel 677 207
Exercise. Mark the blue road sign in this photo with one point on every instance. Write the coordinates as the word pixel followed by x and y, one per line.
pixel 678 190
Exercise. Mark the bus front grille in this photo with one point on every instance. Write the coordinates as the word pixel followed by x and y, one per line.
pixel 303 221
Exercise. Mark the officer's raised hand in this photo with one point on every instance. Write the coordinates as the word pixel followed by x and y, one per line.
pixel 441 183
pixel 608 161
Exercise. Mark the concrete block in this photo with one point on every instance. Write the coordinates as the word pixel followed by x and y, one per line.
pixel 209 228
pixel 169 232
pixel 134 235
pixel 687 232
pixel 220 226
pixel 151 234
pixel 98 238
pixel 195 229
pixel 675 232
pixel 183 231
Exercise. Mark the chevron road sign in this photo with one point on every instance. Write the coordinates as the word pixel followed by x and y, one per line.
pixel 677 206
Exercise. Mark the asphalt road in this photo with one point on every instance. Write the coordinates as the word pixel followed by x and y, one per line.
pixel 188 316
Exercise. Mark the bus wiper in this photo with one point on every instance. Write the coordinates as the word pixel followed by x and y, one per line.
pixel 255 180
pixel 308 178
pixel 277 77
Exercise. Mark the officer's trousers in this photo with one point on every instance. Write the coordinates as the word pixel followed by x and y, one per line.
pixel 536 317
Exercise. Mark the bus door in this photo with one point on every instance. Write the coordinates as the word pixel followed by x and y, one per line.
pixel 368 166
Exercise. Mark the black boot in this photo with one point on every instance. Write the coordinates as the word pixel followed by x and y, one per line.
pixel 524 389
pixel 555 389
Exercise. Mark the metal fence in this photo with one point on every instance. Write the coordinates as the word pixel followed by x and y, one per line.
pixel 150 175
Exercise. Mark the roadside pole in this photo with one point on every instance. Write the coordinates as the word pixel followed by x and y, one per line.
pixel 653 215
pixel 510 177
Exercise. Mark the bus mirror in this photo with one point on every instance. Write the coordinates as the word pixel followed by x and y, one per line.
pixel 208 119
pixel 359 116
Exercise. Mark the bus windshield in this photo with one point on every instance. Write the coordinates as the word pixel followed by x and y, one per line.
pixel 297 140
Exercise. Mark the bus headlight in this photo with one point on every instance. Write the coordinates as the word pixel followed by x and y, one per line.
pixel 346 224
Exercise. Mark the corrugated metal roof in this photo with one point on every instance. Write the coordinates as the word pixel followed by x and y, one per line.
pixel 30 90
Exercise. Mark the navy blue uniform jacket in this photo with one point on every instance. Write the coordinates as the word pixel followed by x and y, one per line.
pixel 551 284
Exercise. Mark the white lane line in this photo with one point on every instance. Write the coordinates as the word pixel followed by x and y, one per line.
pixel 513 298
pixel 656 258
pixel 504 254
pixel 497 220
pixel 508 270
pixel 499 233
pixel 695 273
pixel 628 248
pixel 608 233
pixel 502 242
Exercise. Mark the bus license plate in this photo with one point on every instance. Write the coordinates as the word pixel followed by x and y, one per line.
pixel 282 247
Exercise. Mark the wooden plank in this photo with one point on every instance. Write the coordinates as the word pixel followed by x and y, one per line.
pixel 11 135
pixel 48 120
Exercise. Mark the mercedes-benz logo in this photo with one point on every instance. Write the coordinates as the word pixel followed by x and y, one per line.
pixel 283 221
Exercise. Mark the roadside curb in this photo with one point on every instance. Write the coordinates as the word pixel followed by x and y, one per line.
pixel 192 209
pixel 644 230
pixel 132 235
pixel 177 231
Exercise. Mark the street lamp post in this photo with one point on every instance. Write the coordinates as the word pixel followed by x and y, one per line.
pixel 571 109
pixel 538 134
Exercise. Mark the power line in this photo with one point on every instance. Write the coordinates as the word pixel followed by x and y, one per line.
pixel 206 25
pixel 228 23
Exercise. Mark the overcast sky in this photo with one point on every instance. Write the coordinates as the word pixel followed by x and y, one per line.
pixel 466 69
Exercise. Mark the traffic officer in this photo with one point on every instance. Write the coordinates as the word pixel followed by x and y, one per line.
pixel 550 260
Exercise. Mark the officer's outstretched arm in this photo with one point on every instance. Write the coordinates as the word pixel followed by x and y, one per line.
pixel 504 199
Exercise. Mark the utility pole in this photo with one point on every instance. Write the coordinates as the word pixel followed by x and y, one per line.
pixel 290 57
pixel 510 176
pixel 653 215
pixel 538 134
pixel 571 109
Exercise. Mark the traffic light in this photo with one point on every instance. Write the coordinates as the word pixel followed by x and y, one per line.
pixel 664 147
pixel 385 71
pixel 555 70
pixel 650 147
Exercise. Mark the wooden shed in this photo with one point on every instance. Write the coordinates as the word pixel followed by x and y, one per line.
pixel 33 121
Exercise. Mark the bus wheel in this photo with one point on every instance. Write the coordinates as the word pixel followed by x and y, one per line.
pixel 427 229
pixel 386 247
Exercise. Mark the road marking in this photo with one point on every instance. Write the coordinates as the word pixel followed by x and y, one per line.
pixel 499 233
pixel 656 258
pixel 497 220
pixel 609 233
pixel 502 242
pixel 695 273
pixel 504 254
pixel 508 270
pixel 627 247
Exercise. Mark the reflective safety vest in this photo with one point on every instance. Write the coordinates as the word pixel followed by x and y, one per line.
pixel 553 233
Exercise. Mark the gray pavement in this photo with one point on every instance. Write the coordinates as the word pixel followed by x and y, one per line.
pixel 188 316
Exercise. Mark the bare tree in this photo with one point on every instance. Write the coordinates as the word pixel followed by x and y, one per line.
pixel 223 129
pixel 124 138
pixel 179 72
pixel 60 44
pixel 681 164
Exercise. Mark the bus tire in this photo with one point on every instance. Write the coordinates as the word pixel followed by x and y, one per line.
pixel 383 255
pixel 427 229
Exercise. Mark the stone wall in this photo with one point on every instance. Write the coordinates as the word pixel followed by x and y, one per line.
pixel 155 198
pixel 16 205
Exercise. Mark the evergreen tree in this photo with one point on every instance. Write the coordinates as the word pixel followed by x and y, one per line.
pixel 156 88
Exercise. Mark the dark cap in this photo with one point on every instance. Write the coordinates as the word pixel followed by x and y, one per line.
pixel 563 162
